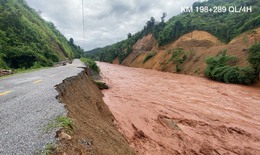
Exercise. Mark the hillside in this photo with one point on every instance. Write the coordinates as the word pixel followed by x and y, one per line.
pixel 28 41
pixel 197 46
pixel 183 43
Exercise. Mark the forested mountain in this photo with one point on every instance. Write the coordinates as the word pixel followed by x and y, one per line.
pixel 224 25
pixel 26 40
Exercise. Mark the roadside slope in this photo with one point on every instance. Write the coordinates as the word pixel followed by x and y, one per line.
pixel 95 130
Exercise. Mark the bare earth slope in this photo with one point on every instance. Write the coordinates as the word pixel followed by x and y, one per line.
pixel 197 45
pixel 164 113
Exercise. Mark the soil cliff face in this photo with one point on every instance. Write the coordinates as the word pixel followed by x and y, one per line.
pixel 95 131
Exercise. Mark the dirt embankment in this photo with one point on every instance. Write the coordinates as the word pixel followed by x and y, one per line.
pixel 171 114
pixel 197 46
pixel 95 131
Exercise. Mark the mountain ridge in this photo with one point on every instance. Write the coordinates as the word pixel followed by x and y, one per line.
pixel 222 28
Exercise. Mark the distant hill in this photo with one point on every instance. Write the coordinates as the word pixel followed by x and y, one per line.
pixel 28 41
pixel 183 43
pixel 224 25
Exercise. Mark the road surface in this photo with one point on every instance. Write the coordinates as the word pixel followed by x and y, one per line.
pixel 27 105
pixel 165 113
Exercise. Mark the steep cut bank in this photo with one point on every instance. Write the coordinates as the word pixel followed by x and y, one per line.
pixel 95 131
pixel 166 114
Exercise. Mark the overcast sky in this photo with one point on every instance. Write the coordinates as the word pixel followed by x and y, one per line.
pixel 106 21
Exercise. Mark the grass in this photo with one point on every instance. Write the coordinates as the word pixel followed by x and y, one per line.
pixel 48 149
pixel 63 122
pixel 67 126
pixel 149 56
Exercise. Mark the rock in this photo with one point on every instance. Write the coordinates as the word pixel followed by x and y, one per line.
pixel 62 135
pixel 4 72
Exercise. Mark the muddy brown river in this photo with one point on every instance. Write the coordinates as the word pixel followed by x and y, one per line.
pixel 164 113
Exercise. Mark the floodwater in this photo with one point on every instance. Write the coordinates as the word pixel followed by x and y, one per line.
pixel 164 113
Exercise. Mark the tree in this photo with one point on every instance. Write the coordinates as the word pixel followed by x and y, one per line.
pixel 71 41
pixel 129 35
pixel 150 23
pixel 254 57
pixel 163 16
pixel 219 69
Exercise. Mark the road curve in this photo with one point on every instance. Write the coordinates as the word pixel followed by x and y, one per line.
pixel 27 105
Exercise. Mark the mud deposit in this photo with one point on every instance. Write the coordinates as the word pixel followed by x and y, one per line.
pixel 164 113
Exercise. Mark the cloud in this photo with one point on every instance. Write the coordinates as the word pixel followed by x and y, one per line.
pixel 106 21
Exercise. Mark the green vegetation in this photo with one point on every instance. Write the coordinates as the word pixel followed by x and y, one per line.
pixel 254 57
pixel 27 41
pixel 149 56
pixel 64 122
pixel 225 26
pixel 91 64
pixel 48 150
pixel 101 85
pixel 178 57
pixel 219 69
pixel 61 122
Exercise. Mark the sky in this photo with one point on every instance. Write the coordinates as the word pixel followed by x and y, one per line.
pixel 105 21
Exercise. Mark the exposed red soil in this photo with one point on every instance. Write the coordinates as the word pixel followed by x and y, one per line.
pixel 163 113
pixel 198 45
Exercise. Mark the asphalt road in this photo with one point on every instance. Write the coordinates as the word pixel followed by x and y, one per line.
pixel 27 105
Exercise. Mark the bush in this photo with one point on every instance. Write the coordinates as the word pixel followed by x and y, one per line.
pixel 91 64
pixel 101 85
pixel 247 75
pixel 231 75
pixel 17 58
pixel 149 56
pixel 2 63
pixel 254 57
pixel 219 70
pixel 178 57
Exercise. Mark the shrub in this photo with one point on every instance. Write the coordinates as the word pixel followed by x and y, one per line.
pixel 17 58
pixel 219 69
pixel 254 57
pixel 231 75
pixel 149 56
pixel 247 75
pixel 91 64
pixel 2 63
pixel 178 57
pixel 101 85
pixel 51 55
